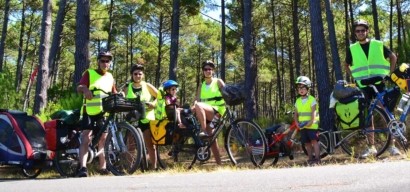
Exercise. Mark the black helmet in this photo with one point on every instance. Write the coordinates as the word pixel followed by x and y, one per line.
pixel 208 63
pixel 361 22
pixel 136 67
pixel 104 54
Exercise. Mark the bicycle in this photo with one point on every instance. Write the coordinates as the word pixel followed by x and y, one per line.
pixel 123 146
pixel 355 141
pixel 244 140
pixel 281 140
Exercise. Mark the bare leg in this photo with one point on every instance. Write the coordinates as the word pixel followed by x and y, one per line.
pixel 85 142
pixel 101 144
pixel 316 149
pixel 151 148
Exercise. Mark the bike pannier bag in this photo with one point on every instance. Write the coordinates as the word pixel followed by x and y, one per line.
pixel 351 112
pixel 162 132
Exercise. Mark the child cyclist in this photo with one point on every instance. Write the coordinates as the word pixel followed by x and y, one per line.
pixel 171 101
pixel 306 114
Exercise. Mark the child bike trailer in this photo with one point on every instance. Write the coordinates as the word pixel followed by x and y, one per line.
pixel 22 142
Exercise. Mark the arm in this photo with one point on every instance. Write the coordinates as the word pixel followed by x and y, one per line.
pixel 313 116
pixel 82 87
pixel 393 60
pixel 154 93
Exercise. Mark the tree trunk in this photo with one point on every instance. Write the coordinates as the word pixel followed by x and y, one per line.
pixel 40 100
pixel 223 40
pixel 159 56
pixel 110 24
pixel 55 46
pixel 375 20
pixel 174 40
pixel 319 58
pixel 250 66
pixel 19 65
pixel 4 33
pixel 333 42
pixel 82 39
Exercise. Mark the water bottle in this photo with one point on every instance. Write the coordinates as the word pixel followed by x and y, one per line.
pixel 403 103
pixel 215 120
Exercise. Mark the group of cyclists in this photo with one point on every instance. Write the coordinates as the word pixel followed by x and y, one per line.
pixel 365 58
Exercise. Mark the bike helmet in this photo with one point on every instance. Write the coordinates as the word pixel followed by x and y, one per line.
pixel 303 80
pixel 208 63
pixel 104 54
pixel 361 22
pixel 136 67
pixel 169 84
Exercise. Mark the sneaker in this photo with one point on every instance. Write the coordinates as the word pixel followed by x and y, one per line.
pixel 203 134
pixel 394 151
pixel 103 172
pixel 82 172
pixel 368 152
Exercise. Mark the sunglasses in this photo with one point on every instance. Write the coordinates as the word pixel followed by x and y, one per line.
pixel 104 61
pixel 207 69
pixel 360 30
pixel 136 74
pixel 301 88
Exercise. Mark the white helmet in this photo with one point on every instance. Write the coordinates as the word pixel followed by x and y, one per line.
pixel 304 81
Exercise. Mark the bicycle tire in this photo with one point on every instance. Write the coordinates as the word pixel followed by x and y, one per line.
pixel 31 173
pixel 66 164
pixel 123 162
pixel 356 142
pixel 324 144
pixel 144 161
pixel 245 143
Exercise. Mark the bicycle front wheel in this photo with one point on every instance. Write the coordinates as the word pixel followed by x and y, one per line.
pixel 123 150
pixel 245 143
pixel 358 143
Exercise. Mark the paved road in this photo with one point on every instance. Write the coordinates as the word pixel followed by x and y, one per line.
pixel 379 176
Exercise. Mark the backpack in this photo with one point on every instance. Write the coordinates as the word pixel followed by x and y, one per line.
pixel 350 112
pixel 160 106
pixel 234 94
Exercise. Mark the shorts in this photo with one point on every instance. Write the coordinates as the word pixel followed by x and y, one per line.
pixel 143 126
pixel 308 135
pixel 93 122
pixel 369 92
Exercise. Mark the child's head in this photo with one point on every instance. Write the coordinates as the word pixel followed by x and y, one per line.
pixel 303 84
pixel 170 87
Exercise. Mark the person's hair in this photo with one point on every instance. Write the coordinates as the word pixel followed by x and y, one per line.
pixel 208 63
pixel 136 67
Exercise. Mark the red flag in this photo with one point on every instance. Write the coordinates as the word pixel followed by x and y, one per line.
pixel 34 74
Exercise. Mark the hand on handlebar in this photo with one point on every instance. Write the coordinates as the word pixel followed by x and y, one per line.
pixel 87 93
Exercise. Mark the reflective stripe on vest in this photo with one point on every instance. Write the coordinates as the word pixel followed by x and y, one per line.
pixel 212 91
pixel 145 96
pixel 365 67
pixel 105 83
pixel 305 112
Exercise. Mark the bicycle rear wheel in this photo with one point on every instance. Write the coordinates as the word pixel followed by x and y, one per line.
pixel 358 142
pixel 126 159
pixel 245 143
pixel 67 164
pixel 323 145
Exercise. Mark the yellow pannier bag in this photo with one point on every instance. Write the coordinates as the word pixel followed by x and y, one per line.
pixel 402 83
pixel 161 132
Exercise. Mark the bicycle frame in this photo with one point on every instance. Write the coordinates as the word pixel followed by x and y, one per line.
pixel 278 137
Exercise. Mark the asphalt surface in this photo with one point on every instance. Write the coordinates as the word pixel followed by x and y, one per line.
pixel 378 176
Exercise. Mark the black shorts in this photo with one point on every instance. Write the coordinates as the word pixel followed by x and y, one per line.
pixel 369 92
pixel 93 122
pixel 143 126
pixel 308 135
